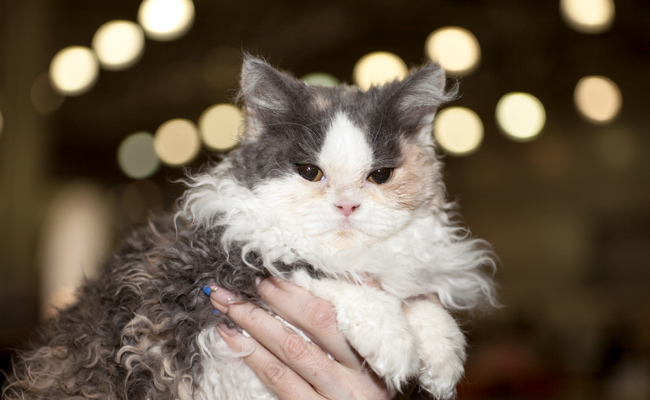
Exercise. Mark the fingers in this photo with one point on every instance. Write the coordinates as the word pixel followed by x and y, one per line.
pixel 313 315
pixel 283 381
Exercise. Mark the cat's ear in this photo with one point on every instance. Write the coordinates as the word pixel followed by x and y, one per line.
pixel 420 95
pixel 267 94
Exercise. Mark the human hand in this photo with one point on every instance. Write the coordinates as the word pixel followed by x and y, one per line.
pixel 290 366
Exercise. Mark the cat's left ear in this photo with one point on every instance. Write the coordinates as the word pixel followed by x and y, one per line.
pixel 418 97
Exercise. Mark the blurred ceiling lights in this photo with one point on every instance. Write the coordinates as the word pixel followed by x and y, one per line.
pixel 320 79
pixel 166 20
pixel 455 49
pixel 219 126
pixel 177 142
pixel 520 116
pixel 458 130
pixel 597 99
pixel 74 70
pixel 44 98
pixel 136 156
pixel 378 68
pixel 119 44
pixel 588 16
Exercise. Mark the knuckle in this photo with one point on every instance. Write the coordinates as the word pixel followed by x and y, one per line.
pixel 295 348
pixel 274 373
pixel 321 315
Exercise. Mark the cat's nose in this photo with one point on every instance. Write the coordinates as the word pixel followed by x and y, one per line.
pixel 347 207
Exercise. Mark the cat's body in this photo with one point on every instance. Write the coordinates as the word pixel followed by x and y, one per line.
pixel 330 187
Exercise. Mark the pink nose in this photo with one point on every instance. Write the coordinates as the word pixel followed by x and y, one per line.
pixel 347 208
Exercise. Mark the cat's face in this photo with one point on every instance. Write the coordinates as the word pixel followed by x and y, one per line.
pixel 342 166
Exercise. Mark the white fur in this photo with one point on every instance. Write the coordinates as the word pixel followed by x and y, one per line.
pixel 408 253
pixel 225 376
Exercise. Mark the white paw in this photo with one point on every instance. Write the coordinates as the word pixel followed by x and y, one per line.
pixel 442 349
pixel 375 325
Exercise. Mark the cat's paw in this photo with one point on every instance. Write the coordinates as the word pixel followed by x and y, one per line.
pixel 375 325
pixel 382 336
pixel 442 349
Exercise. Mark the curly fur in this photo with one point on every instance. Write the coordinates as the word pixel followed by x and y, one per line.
pixel 144 330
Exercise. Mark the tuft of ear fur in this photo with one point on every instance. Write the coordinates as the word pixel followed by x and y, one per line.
pixel 419 95
pixel 265 91
pixel 267 94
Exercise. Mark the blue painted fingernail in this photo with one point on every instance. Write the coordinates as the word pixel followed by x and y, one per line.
pixel 207 290
pixel 216 312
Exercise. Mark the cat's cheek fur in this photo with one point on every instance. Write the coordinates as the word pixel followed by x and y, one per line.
pixel 414 184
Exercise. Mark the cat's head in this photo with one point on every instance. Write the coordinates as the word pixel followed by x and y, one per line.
pixel 341 165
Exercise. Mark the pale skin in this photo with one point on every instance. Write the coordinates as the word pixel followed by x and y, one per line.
pixel 290 366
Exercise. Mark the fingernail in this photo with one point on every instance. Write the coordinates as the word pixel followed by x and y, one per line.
pixel 222 298
pixel 226 330
pixel 258 279
pixel 216 312
pixel 209 289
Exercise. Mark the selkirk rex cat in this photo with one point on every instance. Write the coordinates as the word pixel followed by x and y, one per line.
pixel 330 187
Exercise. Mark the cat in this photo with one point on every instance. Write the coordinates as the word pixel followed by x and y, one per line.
pixel 329 187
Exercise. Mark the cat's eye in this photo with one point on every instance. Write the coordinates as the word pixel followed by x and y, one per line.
pixel 310 172
pixel 381 175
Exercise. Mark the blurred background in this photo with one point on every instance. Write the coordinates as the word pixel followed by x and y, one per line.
pixel 105 103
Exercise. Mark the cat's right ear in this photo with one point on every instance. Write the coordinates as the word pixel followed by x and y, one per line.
pixel 267 94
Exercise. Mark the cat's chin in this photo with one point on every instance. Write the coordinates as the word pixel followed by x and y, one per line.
pixel 345 239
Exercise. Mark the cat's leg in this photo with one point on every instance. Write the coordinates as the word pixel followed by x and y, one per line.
pixel 225 375
pixel 374 324
pixel 442 348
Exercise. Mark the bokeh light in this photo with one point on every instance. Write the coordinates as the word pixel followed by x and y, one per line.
pixel 44 98
pixel 118 44
pixel 320 79
pixel 136 156
pixel 75 237
pixel 458 130
pixel 455 49
pixel 521 116
pixel 74 70
pixel 598 99
pixel 588 16
pixel 177 142
pixel 219 126
pixel 378 68
pixel 166 20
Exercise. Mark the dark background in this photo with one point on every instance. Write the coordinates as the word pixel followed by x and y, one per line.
pixel 568 213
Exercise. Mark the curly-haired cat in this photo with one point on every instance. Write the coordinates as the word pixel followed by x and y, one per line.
pixel 329 187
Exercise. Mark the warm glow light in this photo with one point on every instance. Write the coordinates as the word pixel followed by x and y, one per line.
pixel 320 79
pixel 74 70
pixel 76 234
pixel 458 130
pixel 455 49
pixel 118 44
pixel 177 142
pixel 588 16
pixel 378 68
pixel 44 98
pixel 219 126
pixel 521 116
pixel 598 99
pixel 166 19
pixel 136 156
